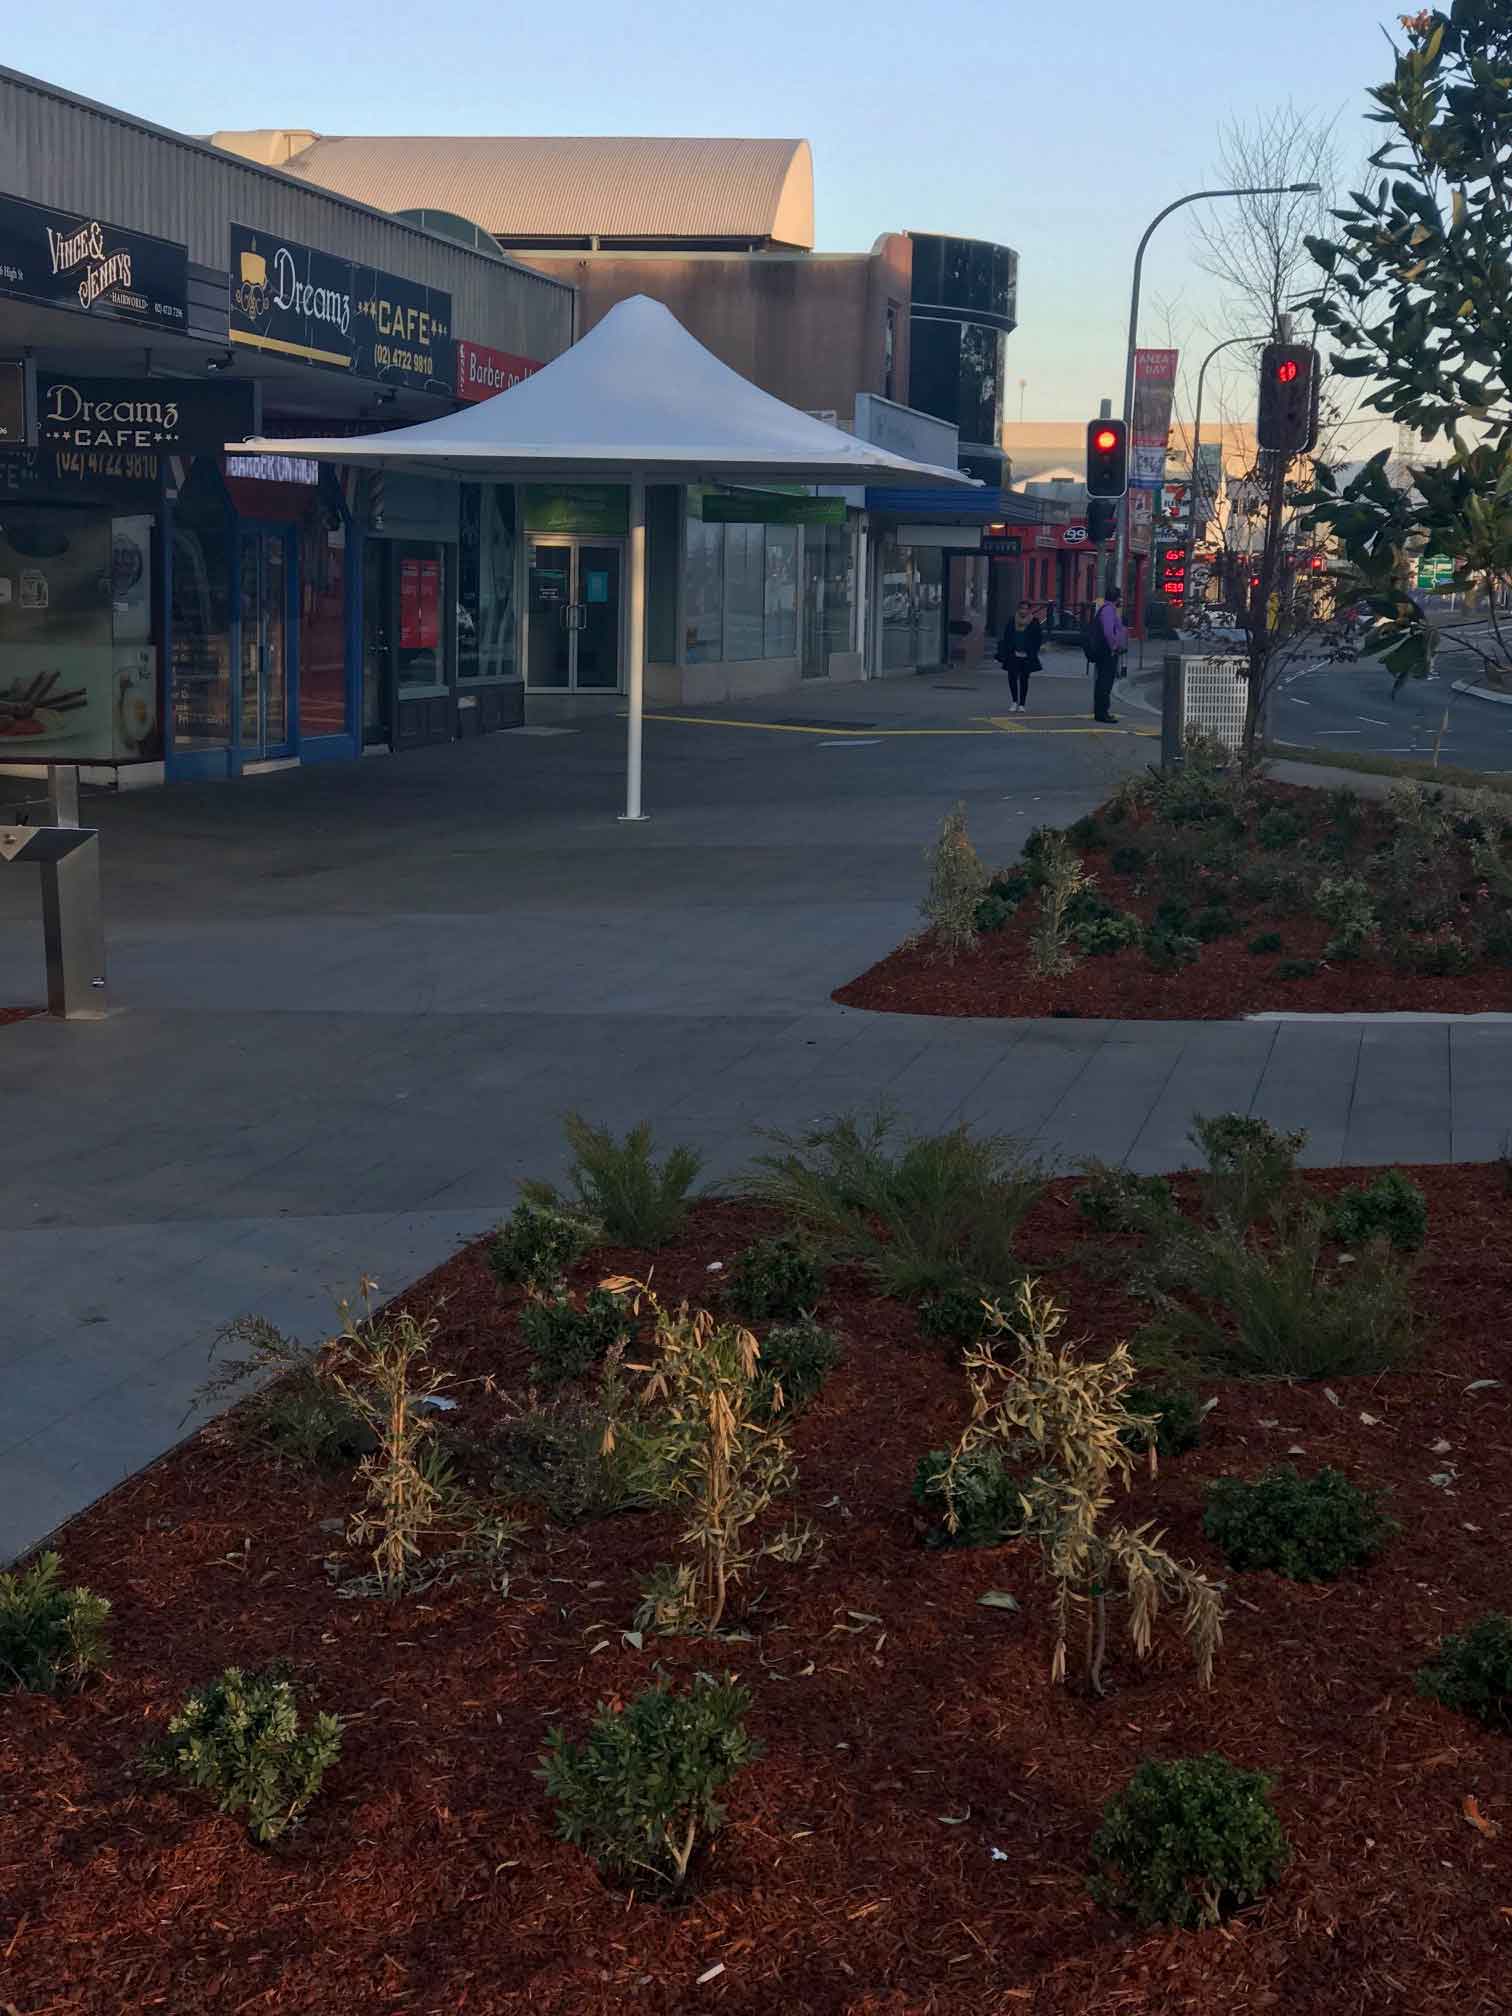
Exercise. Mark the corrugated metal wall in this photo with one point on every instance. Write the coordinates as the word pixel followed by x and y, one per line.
pixel 58 149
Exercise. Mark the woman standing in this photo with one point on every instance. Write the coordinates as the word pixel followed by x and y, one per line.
pixel 1018 652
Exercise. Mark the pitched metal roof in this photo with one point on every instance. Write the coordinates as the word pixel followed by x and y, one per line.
pixel 761 191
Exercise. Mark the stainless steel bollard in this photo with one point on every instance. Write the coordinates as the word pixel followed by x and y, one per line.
pixel 73 925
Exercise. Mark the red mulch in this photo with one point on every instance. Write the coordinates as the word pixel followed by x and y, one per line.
pixel 1227 980
pixel 909 1731
pixel 16 1014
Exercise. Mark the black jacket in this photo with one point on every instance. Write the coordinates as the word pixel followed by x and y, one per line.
pixel 1015 643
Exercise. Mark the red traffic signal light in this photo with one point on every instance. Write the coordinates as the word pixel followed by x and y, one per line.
pixel 1107 458
pixel 1289 381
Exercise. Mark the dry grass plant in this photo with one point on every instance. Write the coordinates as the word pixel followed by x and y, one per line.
pixel 383 1373
pixel 1050 951
pixel 1065 1421
pixel 957 883
pixel 726 1458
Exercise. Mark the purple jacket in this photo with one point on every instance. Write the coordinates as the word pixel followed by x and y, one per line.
pixel 1112 627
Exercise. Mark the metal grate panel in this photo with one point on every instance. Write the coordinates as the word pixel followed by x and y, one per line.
pixel 1214 692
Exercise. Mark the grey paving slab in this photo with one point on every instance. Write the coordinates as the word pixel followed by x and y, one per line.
pixel 1309 1083
pixel 1219 1070
pixel 1402 1106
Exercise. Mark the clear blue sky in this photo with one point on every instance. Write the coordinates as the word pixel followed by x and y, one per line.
pixel 1057 127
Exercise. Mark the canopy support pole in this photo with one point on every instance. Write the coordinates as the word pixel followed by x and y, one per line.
pixel 637 653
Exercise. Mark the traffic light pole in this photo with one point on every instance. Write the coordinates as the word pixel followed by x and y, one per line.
pixel 1191 540
pixel 1121 559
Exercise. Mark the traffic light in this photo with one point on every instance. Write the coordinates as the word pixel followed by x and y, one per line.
pixel 1107 458
pixel 1288 420
pixel 1102 520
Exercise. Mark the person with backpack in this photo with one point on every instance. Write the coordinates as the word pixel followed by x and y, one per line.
pixel 1105 637
pixel 1018 653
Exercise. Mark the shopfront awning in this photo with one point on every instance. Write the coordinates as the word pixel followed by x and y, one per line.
pixel 637 401
pixel 974 507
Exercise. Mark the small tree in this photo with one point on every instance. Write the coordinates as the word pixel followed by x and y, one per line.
pixel 1416 296
pixel 725 1459
pixel 1064 1419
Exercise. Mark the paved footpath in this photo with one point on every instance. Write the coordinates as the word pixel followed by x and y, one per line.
pixel 350 1008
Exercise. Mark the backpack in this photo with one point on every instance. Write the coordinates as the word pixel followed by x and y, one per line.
pixel 1094 640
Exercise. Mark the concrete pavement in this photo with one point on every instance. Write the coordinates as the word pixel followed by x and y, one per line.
pixel 351 1006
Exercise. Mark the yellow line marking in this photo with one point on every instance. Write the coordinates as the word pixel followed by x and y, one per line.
pixel 998 725
pixel 832 734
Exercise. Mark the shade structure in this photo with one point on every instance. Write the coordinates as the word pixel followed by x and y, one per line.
pixel 638 400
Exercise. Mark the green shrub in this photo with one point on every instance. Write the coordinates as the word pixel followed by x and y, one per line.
pixel 994 913
pixel 1296 969
pixel 957 883
pixel 584 1460
pixel 1214 920
pixel 983 1494
pixel 774 1279
pixel 1309 1529
pixel 641 1789
pixel 1391 1207
pixel 953 1316
pixel 566 1341
pixel 1100 936
pixel 920 1216
pixel 619 1186
pixel 1169 951
pixel 1496 942
pixel 1473 1673
pixel 1172 914
pixel 1345 903
pixel 1126 860
pixel 240 1738
pixel 1086 832
pixel 1439 957
pixel 1279 828
pixel 798 1358
pixel 1250 1164
pixel 1273 1310
pixel 1176 1412
pixel 51 1638
pixel 300 1415
pixel 535 1246
pixel 1115 1200
pixel 1011 884
pixel 1187 1842
pixel 1264 942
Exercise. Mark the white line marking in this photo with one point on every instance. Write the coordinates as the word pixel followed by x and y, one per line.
pixel 1338 731
pixel 1298 703
pixel 1372 720
pixel 854 742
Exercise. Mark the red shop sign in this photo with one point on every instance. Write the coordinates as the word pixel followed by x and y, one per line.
pixel 482 372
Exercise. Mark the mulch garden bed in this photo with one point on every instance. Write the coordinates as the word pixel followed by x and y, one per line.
pixel 16 1014
pixel 1207 867
pixel 915 1837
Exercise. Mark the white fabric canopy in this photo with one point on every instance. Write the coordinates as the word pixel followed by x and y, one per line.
pixel 638 400
pixel 637 394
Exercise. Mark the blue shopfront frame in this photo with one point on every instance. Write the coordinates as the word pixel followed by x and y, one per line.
pixel 232 759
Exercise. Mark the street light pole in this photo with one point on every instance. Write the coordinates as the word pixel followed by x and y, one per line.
pixel 1121 559
pixel 1191 541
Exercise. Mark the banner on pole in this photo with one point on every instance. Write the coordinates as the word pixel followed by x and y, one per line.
pixel 1154 389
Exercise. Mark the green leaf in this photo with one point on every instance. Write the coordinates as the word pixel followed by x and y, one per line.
pixel 999 1599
